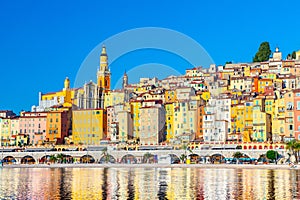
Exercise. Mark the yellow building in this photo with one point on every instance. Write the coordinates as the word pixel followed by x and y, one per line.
pixel 246 70
pixel 64 97
pixel 268 75
pixel 270 105
pixel 135 110
pixel 88 126
pixel 248 120
pixel 170 96
pixel 237 120
pixel 21 139
pixel 169 121
pixel 5 132
pixel 278 119
pixel 261 121
pixel 114 97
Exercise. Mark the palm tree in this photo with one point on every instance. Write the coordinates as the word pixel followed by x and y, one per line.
pixel 294 147
pixel 105 155
pixel 147 157
pixel 60 157
pixel 183 158
pixel 297 150
pixel 53 158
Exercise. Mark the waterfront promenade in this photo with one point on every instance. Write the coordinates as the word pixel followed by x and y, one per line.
pixel 96 165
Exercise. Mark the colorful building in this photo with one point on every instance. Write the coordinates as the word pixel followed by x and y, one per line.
pixel 33 125
pixel 88 126
pixel 58 126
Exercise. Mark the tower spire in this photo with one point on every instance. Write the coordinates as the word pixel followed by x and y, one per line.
pixel 103 60
pixel 103 75
pixel 125 80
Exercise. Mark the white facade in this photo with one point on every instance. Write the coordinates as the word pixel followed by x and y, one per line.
pixel 216 120
pixel 46 104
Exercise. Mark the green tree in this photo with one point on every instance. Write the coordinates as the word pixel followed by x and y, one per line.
pixel 53 158
pixel 294 55
pixel 294 148
pixel 263 53
pixel 60 157
pixel 291 56
pixel 237 155
pixel 183 158
pixel 272 155
pixel 146 157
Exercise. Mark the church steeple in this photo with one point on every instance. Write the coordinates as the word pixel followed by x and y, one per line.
pixel 103 60
pixel 125 80
pixel 103 75
pixel 67 84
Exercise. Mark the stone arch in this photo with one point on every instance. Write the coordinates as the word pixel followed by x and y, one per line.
pixel 28 160
pixel 87 159
pixel 216 158
pixel 107 159
pixel 9 160
pixel 194 158
pixel 174 159
pixel 129 159
pixel 44 159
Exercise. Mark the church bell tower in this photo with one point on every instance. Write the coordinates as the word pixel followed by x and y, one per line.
pixel 103 75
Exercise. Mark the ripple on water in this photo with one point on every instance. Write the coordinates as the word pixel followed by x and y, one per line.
pixel 148 183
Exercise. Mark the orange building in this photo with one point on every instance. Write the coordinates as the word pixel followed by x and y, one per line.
pixel 262 83
pixel 200 114
pixel 58 126
pixel 255 84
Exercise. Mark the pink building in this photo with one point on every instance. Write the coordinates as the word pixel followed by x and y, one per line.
pixel 33 124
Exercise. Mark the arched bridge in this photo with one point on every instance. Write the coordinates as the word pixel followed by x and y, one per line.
pixel 125 156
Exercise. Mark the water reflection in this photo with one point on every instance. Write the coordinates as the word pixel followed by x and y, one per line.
pixel 154 183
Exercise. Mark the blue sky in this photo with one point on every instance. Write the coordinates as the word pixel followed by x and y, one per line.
pixel 42 42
